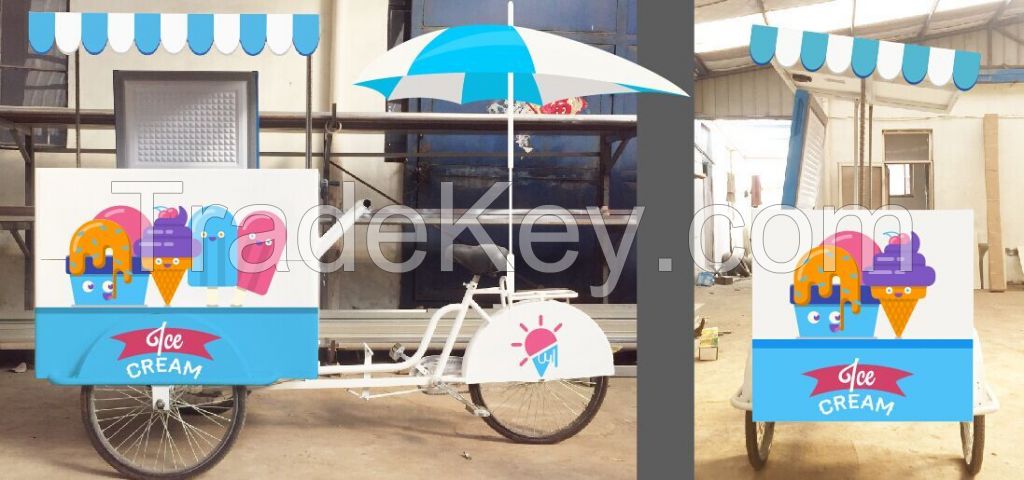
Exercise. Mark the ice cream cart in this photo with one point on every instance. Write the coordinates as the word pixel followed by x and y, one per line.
pixel 821 350
pixel 233 259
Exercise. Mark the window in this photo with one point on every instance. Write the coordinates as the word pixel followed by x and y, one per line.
pixel 908 168
pixel 900 179
pixel 28 78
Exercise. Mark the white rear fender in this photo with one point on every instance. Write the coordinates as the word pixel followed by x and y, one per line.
pixel 534 341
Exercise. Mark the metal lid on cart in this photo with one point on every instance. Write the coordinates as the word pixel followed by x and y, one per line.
pixel 147 31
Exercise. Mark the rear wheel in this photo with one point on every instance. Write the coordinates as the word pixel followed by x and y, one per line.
pixel 540 412
pixel 143 442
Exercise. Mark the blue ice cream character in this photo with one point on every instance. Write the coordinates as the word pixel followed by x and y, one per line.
pixel 217 265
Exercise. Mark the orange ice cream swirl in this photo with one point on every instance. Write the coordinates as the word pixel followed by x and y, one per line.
pixel 818 268
pixel 93 239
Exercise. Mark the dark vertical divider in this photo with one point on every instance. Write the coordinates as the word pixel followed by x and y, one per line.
pixel 665 298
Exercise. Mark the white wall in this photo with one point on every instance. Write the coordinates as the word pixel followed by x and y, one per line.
pixel 352 33
pixel 957 155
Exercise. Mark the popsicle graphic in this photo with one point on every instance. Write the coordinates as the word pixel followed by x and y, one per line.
pixel 167 249
pixel 261 239
pixel 815 271
pixel 899 278
pixel 100 241
pixel 216 265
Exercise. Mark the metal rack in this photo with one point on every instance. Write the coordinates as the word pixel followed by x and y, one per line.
pixel 20 121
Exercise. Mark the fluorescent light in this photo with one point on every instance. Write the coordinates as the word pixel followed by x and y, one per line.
pixel 946 5
pixel 820 17
pixel 724 34
pixel 878 11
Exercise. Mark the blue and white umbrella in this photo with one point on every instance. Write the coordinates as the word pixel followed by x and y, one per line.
pixel 469 63
pixel 485 62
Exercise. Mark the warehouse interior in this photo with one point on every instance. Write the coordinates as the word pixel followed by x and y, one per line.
pixel 963 157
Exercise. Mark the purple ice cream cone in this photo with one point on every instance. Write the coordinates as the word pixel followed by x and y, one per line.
pixel 168 237
pixel 900 264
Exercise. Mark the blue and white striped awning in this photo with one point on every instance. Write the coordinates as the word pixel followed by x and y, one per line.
pixel 147 31
pixel 864 57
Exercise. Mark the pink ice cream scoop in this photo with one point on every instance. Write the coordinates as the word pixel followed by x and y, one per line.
pixel 261 242
pixel 539 340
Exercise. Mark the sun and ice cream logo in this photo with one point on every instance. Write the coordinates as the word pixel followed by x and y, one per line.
pixel 541 346
pixel 854 377
pixel 160 341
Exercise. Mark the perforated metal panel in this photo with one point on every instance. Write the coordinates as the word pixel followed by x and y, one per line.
pixel 814 158
pixel 186 119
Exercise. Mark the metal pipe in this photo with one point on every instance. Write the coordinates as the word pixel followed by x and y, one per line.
pixel 871 170
pixel 510 260
pixel 617 126
pixel 78 115
pixel 860 165
pixel 309 111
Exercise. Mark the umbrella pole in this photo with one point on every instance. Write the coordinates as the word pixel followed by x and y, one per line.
pixel 510 261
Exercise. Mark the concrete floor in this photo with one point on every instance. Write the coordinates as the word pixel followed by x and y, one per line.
pixel 328 434
pixel 857 450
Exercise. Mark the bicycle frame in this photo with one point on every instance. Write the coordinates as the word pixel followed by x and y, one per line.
pixel 433 378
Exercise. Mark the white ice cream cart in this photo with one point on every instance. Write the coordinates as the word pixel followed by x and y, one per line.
pixel 820 350
pixel 233 257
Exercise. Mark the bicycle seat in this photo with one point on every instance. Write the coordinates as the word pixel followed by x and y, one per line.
pixel 487 259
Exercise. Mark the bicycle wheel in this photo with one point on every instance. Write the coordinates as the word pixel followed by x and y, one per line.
pixel 540 412
pixel 759 440
pixel 146 443
pixel 972 441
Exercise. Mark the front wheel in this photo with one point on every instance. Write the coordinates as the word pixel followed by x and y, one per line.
pixel 540 412
pixel 972 440
pixel 143 442
pixel 759 440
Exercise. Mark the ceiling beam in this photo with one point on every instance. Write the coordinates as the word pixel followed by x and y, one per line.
pixel 853 19
pixel 1009 35
pixel 999 12
pixel 927 21
pixel 764 11
pixel 702 68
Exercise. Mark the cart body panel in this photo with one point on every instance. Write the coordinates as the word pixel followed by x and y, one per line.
pixel 230 346
pixel 905 353
pixel 175 276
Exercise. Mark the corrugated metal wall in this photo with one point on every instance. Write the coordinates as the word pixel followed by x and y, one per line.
pixel 1006 52
pixel 751 94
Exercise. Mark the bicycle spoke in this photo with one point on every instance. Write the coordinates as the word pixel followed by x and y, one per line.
pixel 161 441
pixel 539 409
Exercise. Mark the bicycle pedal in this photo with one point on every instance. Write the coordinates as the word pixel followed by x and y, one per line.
pixel 479 412
pixel 397 352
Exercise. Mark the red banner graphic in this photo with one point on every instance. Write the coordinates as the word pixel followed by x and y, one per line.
pixel 165 340
pixel 857 377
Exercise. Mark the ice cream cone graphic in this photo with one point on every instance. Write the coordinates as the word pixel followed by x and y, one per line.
pixel 167 272
pixel 541 346
pixel 899 279
pixel 167 249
